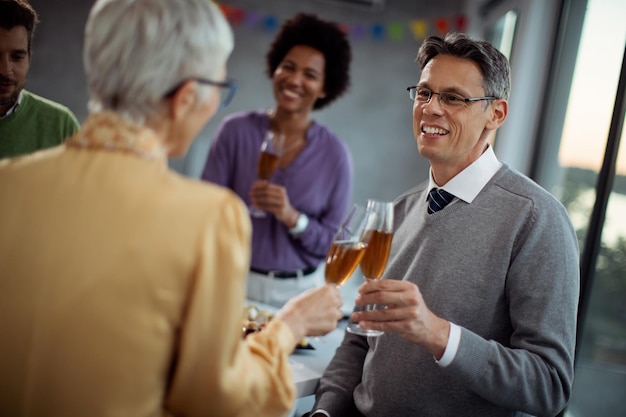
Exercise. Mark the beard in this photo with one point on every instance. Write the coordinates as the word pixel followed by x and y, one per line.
pixel 7 100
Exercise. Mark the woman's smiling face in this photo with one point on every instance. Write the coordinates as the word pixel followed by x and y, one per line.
pixel 299 79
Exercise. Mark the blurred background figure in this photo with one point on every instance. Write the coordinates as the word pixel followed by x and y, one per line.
pixel 303 201
pixel 122 282
pixel 28 122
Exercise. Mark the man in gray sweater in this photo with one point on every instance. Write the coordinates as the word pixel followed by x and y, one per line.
pixel 482 282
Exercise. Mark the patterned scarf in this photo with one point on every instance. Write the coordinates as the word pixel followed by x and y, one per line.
pixel 110 131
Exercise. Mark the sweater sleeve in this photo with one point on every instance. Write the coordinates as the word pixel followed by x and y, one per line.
pixel 535 373
pixel 341 377
pixel 70 124
pixel 217 166
pixel 216 372
pixel 318 236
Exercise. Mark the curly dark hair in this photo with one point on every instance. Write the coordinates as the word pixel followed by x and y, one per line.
pixel 325 36
pixel 19 13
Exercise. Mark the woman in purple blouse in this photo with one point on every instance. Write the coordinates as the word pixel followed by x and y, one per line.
pixel 310 192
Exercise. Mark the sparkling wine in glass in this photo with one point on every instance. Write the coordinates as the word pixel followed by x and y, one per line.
pixel 348 246
pixel 378 234
pixel 271 151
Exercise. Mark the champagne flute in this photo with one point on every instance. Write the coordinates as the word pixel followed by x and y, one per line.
pixel 271 150
pixel 348 246
pixel 379 234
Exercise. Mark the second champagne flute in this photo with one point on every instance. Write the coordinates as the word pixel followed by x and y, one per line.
pixel 348 246
pixel 271 151
pixel 379 234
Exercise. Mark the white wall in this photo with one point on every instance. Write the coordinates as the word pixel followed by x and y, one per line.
pixel 373 118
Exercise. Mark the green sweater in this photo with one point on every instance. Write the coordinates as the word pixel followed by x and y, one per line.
pixel 37 123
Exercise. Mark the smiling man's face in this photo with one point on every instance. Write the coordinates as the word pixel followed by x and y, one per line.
pixel 451 138
pixel 14 65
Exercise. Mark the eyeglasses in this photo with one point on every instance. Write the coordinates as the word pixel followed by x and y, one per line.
pixel 229 85
pixel 451 100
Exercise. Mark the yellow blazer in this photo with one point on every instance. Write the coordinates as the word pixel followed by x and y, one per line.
pixel 121 291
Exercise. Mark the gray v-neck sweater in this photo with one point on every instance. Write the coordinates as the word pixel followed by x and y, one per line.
pixel 505 269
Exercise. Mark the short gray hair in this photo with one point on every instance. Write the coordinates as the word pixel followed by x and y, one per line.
pixel 495 67
pixel 135 51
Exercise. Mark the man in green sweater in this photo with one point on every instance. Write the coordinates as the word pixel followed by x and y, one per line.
pixel 28 122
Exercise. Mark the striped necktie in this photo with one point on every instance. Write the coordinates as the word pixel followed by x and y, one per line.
pixel 438 198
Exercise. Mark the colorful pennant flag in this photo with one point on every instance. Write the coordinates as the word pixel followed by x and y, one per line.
pixel 419 29
pixel 392 31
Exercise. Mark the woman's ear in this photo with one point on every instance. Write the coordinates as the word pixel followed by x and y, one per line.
pixel 183 101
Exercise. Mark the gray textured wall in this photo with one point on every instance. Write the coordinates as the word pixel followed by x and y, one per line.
pixel 373 118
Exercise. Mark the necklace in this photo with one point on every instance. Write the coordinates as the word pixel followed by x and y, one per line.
pixel 293 146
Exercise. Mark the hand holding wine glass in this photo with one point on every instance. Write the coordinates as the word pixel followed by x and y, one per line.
pixel 378 234
pixel 272 149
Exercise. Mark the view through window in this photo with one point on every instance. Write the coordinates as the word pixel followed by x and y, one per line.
pixel 600 379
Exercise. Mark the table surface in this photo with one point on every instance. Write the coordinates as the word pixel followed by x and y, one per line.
pixel 308 365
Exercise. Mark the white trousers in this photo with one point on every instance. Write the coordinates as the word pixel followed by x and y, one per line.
pixel 277 291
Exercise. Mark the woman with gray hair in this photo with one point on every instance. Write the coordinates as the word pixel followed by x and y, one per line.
pixel 122 282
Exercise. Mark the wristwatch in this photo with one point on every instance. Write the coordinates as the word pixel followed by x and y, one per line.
pixel 301 224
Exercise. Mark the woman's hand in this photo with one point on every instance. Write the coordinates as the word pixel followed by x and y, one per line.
pixel 313 312
pixel 273 198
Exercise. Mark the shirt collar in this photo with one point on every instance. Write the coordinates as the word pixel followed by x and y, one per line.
pixel 467 184
pixel 14 107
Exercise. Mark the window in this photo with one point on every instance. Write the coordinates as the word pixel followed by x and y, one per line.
pixel 569 167
pixel 502 32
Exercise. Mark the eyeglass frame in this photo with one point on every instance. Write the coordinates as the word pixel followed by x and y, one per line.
pixel 465 100
pixel 229 84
